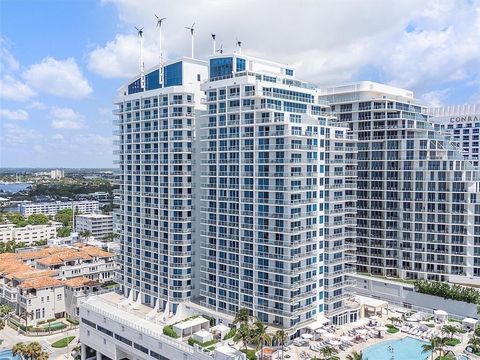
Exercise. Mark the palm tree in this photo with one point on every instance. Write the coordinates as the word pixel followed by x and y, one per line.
pixel 281 337
pixel 242 316
pixel 243 334
pixel 475 342
pixel 328 352
pixel 85 234
pixel 33 350
pixel 261 336
pixel 394 320
pixel 449 329
pixel 19 349
pixel 355 356
pixel 431 346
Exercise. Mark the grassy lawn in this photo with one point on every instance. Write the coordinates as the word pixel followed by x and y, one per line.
pixel 392 329
pixel 452 342
pixel 63 342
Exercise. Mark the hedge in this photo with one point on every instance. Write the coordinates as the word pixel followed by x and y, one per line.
pixel 168 330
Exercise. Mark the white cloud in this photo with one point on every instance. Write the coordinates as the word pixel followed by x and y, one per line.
pixel 66 118
pixel 436 98
pixel 7 60
pixel 13 114
pixel 119 57
pixel 12 89
pixel 37 105
pixel 14 135
pixel 327 42
pixel 61 78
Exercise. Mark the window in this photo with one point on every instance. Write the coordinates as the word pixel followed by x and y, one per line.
pixel 59 296
pixel 173 74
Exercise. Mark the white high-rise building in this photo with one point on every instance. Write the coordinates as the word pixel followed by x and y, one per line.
pixel 462 126
pixel 156 130
pixel 277 196
pixel 418 199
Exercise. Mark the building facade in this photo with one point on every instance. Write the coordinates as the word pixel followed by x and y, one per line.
pixel 272 166
pixel 461 124
pixel 155 148
pixel 28 234
pixel 98 225
pixel 51 282
pixel 51 208
pixel 417 198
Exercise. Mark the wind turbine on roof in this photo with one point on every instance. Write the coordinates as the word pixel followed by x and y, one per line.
pixel 142 66
pixel 214 43
pixel 160 62
pixel 220 50
pixel 191 28
pixel 239 45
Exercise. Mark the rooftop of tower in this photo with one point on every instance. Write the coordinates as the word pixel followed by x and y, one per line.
pixel 360 86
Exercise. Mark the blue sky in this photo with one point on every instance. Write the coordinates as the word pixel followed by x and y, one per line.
pixel 62 61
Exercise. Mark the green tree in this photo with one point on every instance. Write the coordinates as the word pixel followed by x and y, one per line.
pixel 242 316
pixel 449 330
pixel 328 352
pixel 261 337
pixel 19 349
pixel 355 356
pixel 65 216
pixel 281 337
pixel 64 231
pixel 85 234
pixel 38 219
pixel 475 342
pixel 394 320
pixel 243 334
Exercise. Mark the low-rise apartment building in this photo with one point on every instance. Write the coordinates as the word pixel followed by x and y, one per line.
pixel 50 283
pixel 28 234
pixel 98 225
pixel 51 208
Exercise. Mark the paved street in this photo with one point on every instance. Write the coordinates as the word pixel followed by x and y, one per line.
pixel 11 337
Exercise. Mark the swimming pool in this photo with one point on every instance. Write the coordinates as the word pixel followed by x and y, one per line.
pixel 7 355
pixel 405 349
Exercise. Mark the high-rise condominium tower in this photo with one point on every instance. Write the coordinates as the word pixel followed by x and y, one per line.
pixel 156 129
pixel 418 202
pixel 278 197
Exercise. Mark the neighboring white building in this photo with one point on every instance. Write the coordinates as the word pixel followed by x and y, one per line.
pixel 51 208
pixel 418 198
pixel 51 282
pixel 125 329
pixel 28 234
pixel 57 174
pixel 98 225
pixel 462 125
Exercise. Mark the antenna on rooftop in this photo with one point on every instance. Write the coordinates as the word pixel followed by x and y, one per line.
pixel 160 63
pixel 142 66
pixel 191 28
pixel 220 50
pixel 214 43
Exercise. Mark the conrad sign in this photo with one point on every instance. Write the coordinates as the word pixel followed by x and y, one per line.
pixel 465 118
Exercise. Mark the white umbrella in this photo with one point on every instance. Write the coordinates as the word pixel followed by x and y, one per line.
pixel 362 331
pixel 335 342
pixel 320 331
pixel 381 328
pixel 328 335
pixel 307 336
pixel 346 338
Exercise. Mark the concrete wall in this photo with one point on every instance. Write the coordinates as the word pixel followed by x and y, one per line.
pixel 404 295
